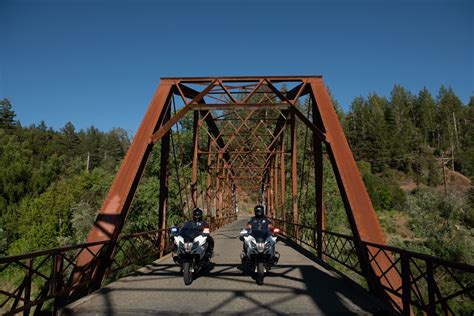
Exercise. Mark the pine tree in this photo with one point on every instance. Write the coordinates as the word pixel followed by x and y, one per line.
pixel 70 141
pixel 405 137
pixel 424 114
pixel 377 133
pixel 7 115
pixel 356 123
pixel 448 104
pixel 466 156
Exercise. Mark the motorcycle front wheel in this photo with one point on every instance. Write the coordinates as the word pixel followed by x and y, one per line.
pixel 187 274
pixel 260 273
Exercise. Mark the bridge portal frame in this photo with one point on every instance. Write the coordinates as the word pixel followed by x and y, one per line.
pixel 324 125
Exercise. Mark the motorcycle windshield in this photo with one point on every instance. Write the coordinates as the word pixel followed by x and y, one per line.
pixel 189 234
pixel 260 235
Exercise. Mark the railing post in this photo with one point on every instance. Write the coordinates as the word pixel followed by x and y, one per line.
pixel 29 273
pixel 56 284
pixel 315 241
pixel 406 287
pixel 431 288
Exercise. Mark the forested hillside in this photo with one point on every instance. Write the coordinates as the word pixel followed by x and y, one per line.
pixel 52 182
pixel 415 153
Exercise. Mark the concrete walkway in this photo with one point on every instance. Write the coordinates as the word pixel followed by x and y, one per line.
pixel 297 285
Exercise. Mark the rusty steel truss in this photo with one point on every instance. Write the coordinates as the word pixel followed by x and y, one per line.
pixel 242 139
pixel 240 125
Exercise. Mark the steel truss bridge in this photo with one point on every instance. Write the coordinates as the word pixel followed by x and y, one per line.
pixel 256 139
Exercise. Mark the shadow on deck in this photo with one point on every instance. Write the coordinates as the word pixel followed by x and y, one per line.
pixel 298 285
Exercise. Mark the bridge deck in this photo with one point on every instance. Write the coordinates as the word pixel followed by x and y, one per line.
pixel 296 285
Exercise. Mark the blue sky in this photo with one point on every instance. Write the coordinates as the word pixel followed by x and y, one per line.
pixel 99 62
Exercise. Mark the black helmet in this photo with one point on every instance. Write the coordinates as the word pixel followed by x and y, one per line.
pixel 258 211
pixel 197 214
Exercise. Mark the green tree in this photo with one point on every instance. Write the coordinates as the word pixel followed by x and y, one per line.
pixel 405 137
pixel 466 155
pixel 424 116
pixel 7 115
pixel 356 127
pixel 70 141
pixel 377 134
pixel 113 147
pixel 448 113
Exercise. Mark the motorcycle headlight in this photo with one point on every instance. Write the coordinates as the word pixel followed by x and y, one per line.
pixel 260 246
pixel 188 246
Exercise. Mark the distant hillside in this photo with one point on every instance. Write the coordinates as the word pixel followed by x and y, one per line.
pixel 53 182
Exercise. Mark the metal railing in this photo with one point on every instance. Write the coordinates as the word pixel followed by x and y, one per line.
pixel 40 280
pixel 429 284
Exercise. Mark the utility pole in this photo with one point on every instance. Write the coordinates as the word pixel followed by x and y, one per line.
pixel 88 161
pixel 452 154
pixel 456 130
pixel 444 174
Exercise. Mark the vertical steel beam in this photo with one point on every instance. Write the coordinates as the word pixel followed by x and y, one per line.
pixel 229 193
pixel 195 158
pixel 163 197
pixel 283 179
pixel 318 173
pixel 218 189
pixel 275 186
pixel 294 174
pixel 267 196
pixel 114 211
pixel 209 179
pixel 223 191
pixel 226 196
pixel 359 209
pixel 223 196
pixel 270 190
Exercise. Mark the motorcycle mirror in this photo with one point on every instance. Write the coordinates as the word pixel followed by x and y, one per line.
pixel 174 231
pixel 243 232
pixel 276 230
pixel 206 230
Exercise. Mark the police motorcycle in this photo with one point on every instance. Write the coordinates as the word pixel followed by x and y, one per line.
pixel 259 251
pixel 190 251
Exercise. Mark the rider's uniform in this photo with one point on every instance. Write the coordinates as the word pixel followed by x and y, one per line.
pixel 199 226
pixel 259 223
pixel 195 225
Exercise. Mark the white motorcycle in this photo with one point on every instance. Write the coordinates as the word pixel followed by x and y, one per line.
pixel 190 250
pixel 259 251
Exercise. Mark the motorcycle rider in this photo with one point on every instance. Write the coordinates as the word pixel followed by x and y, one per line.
pixel 198 224
pixel 258 222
